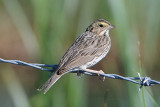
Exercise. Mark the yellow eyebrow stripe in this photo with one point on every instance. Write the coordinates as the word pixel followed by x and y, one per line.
pixel 103 23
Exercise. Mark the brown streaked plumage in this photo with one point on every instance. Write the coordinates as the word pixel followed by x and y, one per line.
pixel 89 48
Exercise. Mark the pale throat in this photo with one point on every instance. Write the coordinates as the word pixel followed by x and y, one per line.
pixel 105 32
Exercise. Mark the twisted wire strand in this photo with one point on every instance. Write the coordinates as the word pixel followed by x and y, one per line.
pixel 142 81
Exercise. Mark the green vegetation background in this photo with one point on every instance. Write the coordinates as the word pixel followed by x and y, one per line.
pixel 40 31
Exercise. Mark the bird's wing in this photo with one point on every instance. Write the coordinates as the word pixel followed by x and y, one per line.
pixel 84 50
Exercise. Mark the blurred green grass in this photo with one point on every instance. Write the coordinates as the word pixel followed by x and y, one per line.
pixel 42 30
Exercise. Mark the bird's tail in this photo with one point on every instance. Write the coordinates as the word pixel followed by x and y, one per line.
pixel 49 83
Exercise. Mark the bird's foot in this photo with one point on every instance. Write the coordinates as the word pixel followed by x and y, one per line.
pixel 100 76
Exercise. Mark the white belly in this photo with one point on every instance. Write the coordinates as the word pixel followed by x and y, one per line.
pixel 97 59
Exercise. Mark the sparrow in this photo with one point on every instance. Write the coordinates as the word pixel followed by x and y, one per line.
pixel 88 49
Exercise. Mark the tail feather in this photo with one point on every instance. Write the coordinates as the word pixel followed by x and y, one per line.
pixel 49 83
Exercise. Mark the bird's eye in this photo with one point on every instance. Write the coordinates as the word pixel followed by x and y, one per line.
pixel 100 25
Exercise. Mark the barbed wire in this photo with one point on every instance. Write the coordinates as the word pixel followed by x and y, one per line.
pixel 142 81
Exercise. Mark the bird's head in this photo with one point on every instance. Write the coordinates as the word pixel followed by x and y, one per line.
pixel 100 26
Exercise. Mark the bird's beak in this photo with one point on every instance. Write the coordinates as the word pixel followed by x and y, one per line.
pixel 111 26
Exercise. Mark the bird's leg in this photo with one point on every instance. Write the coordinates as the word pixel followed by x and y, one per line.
pixel 79 74
pixel 98 73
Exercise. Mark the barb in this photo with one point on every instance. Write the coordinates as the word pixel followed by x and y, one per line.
pixel 142 81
